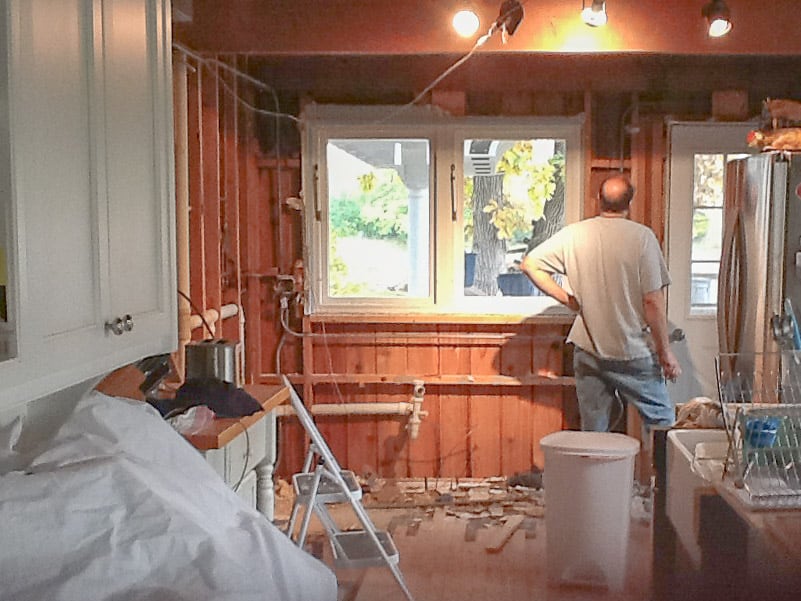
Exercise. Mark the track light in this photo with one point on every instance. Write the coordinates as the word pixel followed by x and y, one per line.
pixel 466 23
pixel 595 14
pixel 511 14
pixel 718 16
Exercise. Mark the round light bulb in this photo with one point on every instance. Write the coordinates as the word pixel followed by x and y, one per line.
pixel 719 27
pixel 465 22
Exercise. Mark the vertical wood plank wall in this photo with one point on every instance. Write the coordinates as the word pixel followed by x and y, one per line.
pixel 492 389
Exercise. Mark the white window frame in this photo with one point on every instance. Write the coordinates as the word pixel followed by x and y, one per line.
pixel 446 135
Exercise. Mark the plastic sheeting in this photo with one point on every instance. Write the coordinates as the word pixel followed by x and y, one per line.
pixel 119 506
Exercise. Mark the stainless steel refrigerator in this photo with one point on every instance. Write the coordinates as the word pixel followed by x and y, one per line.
pixel 759 271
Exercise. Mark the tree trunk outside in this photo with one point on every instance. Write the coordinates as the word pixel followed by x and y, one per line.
pixel 553 218
pixel 490 251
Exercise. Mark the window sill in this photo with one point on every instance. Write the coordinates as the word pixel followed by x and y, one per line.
pixel 555 318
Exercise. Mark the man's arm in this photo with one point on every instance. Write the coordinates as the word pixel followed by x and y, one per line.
pixel 654 308
pixel 543 280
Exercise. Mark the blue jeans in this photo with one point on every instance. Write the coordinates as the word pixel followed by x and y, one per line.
pixel 637 381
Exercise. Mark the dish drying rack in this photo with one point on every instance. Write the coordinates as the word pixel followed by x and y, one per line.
pixel 760 399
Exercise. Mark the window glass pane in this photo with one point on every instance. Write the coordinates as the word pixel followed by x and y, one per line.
pixel 378 209
pixel 704 288
pixel 514 198
pixel 707 234
pixel 708 180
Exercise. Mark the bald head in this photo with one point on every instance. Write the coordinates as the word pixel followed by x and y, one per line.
pixel 615 194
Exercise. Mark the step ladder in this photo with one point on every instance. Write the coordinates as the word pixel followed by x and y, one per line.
pixel 323 482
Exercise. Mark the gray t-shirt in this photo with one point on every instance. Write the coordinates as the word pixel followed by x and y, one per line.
pixel 610 263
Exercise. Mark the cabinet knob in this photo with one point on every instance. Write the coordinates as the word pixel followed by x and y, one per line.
pixel 115 326
pixel 119 325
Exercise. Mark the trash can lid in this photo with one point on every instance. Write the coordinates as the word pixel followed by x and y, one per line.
pixel 591 443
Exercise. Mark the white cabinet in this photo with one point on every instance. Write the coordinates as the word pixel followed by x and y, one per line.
pixel 246 464
pixel 90 137
pixel 243 451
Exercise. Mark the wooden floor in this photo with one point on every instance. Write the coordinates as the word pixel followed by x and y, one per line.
pixel 441 561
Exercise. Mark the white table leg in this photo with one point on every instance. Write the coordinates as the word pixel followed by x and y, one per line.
pixel 265 492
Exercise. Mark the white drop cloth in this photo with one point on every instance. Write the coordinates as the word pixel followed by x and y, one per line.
pixel 118 506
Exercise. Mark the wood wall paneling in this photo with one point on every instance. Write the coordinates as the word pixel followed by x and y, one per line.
pixel 454 403
pixel 492 389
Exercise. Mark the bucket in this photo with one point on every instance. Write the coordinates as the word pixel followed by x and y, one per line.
pixel 218 359
pixel 588 484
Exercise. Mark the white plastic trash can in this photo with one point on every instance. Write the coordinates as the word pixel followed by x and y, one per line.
pixel 588 484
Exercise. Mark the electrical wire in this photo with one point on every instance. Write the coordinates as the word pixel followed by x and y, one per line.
pixel 199 312
pixel 623 117
pixel 212 64
pixel 203 61
pixel 247 457
pixel 479 43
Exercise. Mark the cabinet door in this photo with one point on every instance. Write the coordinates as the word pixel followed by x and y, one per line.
pixel 137 140
pixel 54 176
pixel 90 133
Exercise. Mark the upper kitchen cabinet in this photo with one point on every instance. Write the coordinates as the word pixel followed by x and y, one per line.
pixel 89 121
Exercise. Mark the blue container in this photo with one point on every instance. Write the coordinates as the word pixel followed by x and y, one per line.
pixel 516 284
pixel 760 432
pixel 469 269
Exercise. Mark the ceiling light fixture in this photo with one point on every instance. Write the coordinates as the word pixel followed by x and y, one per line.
pixel 466 23
pixel 718 16
pixel 595 14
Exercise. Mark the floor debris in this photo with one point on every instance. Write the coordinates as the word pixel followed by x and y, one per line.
pixel 495 506
pixel 501 535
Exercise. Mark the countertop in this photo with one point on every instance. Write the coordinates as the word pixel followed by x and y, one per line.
pixel 222 430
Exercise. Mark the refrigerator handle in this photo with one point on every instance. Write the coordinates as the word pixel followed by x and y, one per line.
pixel 732 279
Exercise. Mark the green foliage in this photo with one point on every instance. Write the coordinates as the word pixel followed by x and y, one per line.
pixel 367 182
pixel 379 211
pixel 700 225
pixel 527 185
pixel 709 170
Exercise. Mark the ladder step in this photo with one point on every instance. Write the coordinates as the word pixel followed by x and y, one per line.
pixel 328 491
pixel 356 549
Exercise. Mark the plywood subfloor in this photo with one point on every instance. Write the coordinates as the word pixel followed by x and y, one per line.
pixel 439 564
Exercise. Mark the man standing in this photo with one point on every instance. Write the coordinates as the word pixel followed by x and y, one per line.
pixel 616 276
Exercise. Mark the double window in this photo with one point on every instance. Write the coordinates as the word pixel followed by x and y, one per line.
pixel 410 210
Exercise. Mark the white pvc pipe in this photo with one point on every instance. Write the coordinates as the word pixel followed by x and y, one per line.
pixel 181 127
pixel 229 310
pixel 401 408
pixel 212 316
pixel 209 316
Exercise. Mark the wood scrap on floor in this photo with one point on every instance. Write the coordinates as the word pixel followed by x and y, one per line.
pixel 472 528
pixel 502 535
